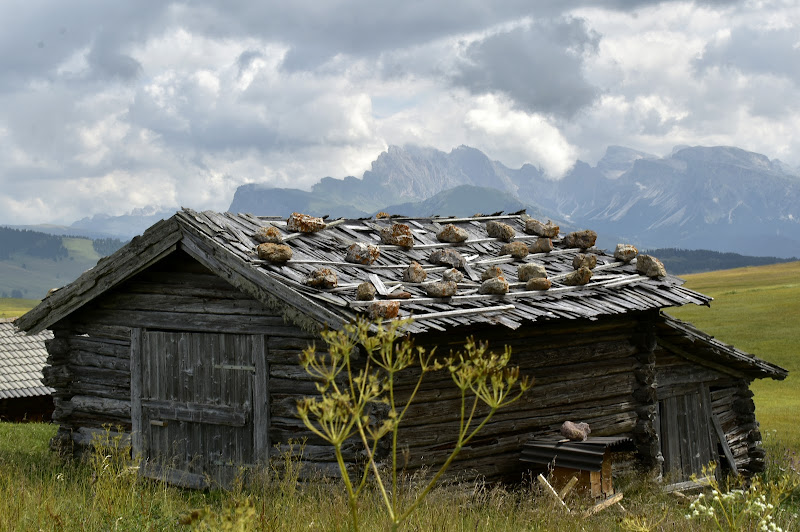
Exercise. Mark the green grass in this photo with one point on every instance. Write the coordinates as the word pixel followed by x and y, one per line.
pixel 757 309
pixel 12 308
pixel 40 491
pixel 34 276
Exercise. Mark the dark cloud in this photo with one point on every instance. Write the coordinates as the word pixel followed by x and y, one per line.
pixel 755 51
pixel 540 67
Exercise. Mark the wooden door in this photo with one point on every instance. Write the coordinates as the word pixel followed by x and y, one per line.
pixel 201 405
pixel 685 425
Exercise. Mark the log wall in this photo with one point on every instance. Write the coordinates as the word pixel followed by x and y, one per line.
pixel 731 404
pixel 89 356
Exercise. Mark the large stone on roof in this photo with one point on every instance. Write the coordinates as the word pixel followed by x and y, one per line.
pixel 491 272
pixel 579 277
pixel 414 273
pixel 650 266
pixel 269 234
pixel 447 257
pixel 384 309
pixel 538 283
pixel 541 245
pixel 530 270
pixel 303 223
pixel 398 235
pixel 322 278
pixel 518 250
pixel 453 275
pixel 452 234
pixel 625 252
pixel 581 239
pixel 441 289
pixel 495 285
pixel 365 292
pixel 500 230
pixel 584 260
pixel 361 253
pixel 277 253
pixel 535 227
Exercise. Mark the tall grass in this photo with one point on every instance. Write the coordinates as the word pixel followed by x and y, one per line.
pixel 40 491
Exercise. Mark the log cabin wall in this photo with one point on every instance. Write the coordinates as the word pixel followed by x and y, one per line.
pixel 90 355
pixel 584 371
pixel 730 403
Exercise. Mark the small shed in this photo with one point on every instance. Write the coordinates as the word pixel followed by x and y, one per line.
pixel 23 396
pixel 188 339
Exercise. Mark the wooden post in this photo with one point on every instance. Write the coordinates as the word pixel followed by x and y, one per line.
pixel 549 489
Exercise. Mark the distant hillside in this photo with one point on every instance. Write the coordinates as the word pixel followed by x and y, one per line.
pixel 684 261
pixel 464 200
pixel 720 198
pixel 31 262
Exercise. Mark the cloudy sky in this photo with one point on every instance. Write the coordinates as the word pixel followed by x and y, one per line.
pixel 110 106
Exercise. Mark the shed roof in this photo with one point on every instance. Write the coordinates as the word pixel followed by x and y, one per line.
pixel 225 244
pixel 21 361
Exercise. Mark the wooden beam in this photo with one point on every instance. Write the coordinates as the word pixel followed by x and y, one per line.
pixel 666 344
pixel 614 499
pixel 726 449
pixel 549 489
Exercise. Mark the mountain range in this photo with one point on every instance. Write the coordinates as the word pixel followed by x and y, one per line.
pixel 717 198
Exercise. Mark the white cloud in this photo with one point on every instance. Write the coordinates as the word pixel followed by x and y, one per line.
pixel 178 104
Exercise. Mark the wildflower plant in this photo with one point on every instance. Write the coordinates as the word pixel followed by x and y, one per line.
pixel 755 505
pixel 351 397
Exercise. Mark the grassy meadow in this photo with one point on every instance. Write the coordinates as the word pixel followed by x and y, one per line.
pixel 758 310
pixel 13 308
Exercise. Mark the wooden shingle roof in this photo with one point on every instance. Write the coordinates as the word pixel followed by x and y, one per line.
pixel 21 361
pixel 225 243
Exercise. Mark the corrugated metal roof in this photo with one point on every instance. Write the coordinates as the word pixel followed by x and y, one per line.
pixel 21 361
pixel 585 455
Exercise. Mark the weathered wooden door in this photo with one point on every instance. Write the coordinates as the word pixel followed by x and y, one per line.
pixel 685 425
pixel 202 405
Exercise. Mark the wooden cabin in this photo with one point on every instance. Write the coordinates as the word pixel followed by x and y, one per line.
pixel 189 342
pixel 23 396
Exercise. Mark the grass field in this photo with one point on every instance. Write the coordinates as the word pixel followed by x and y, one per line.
pixel 12 308
pixel 758 310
